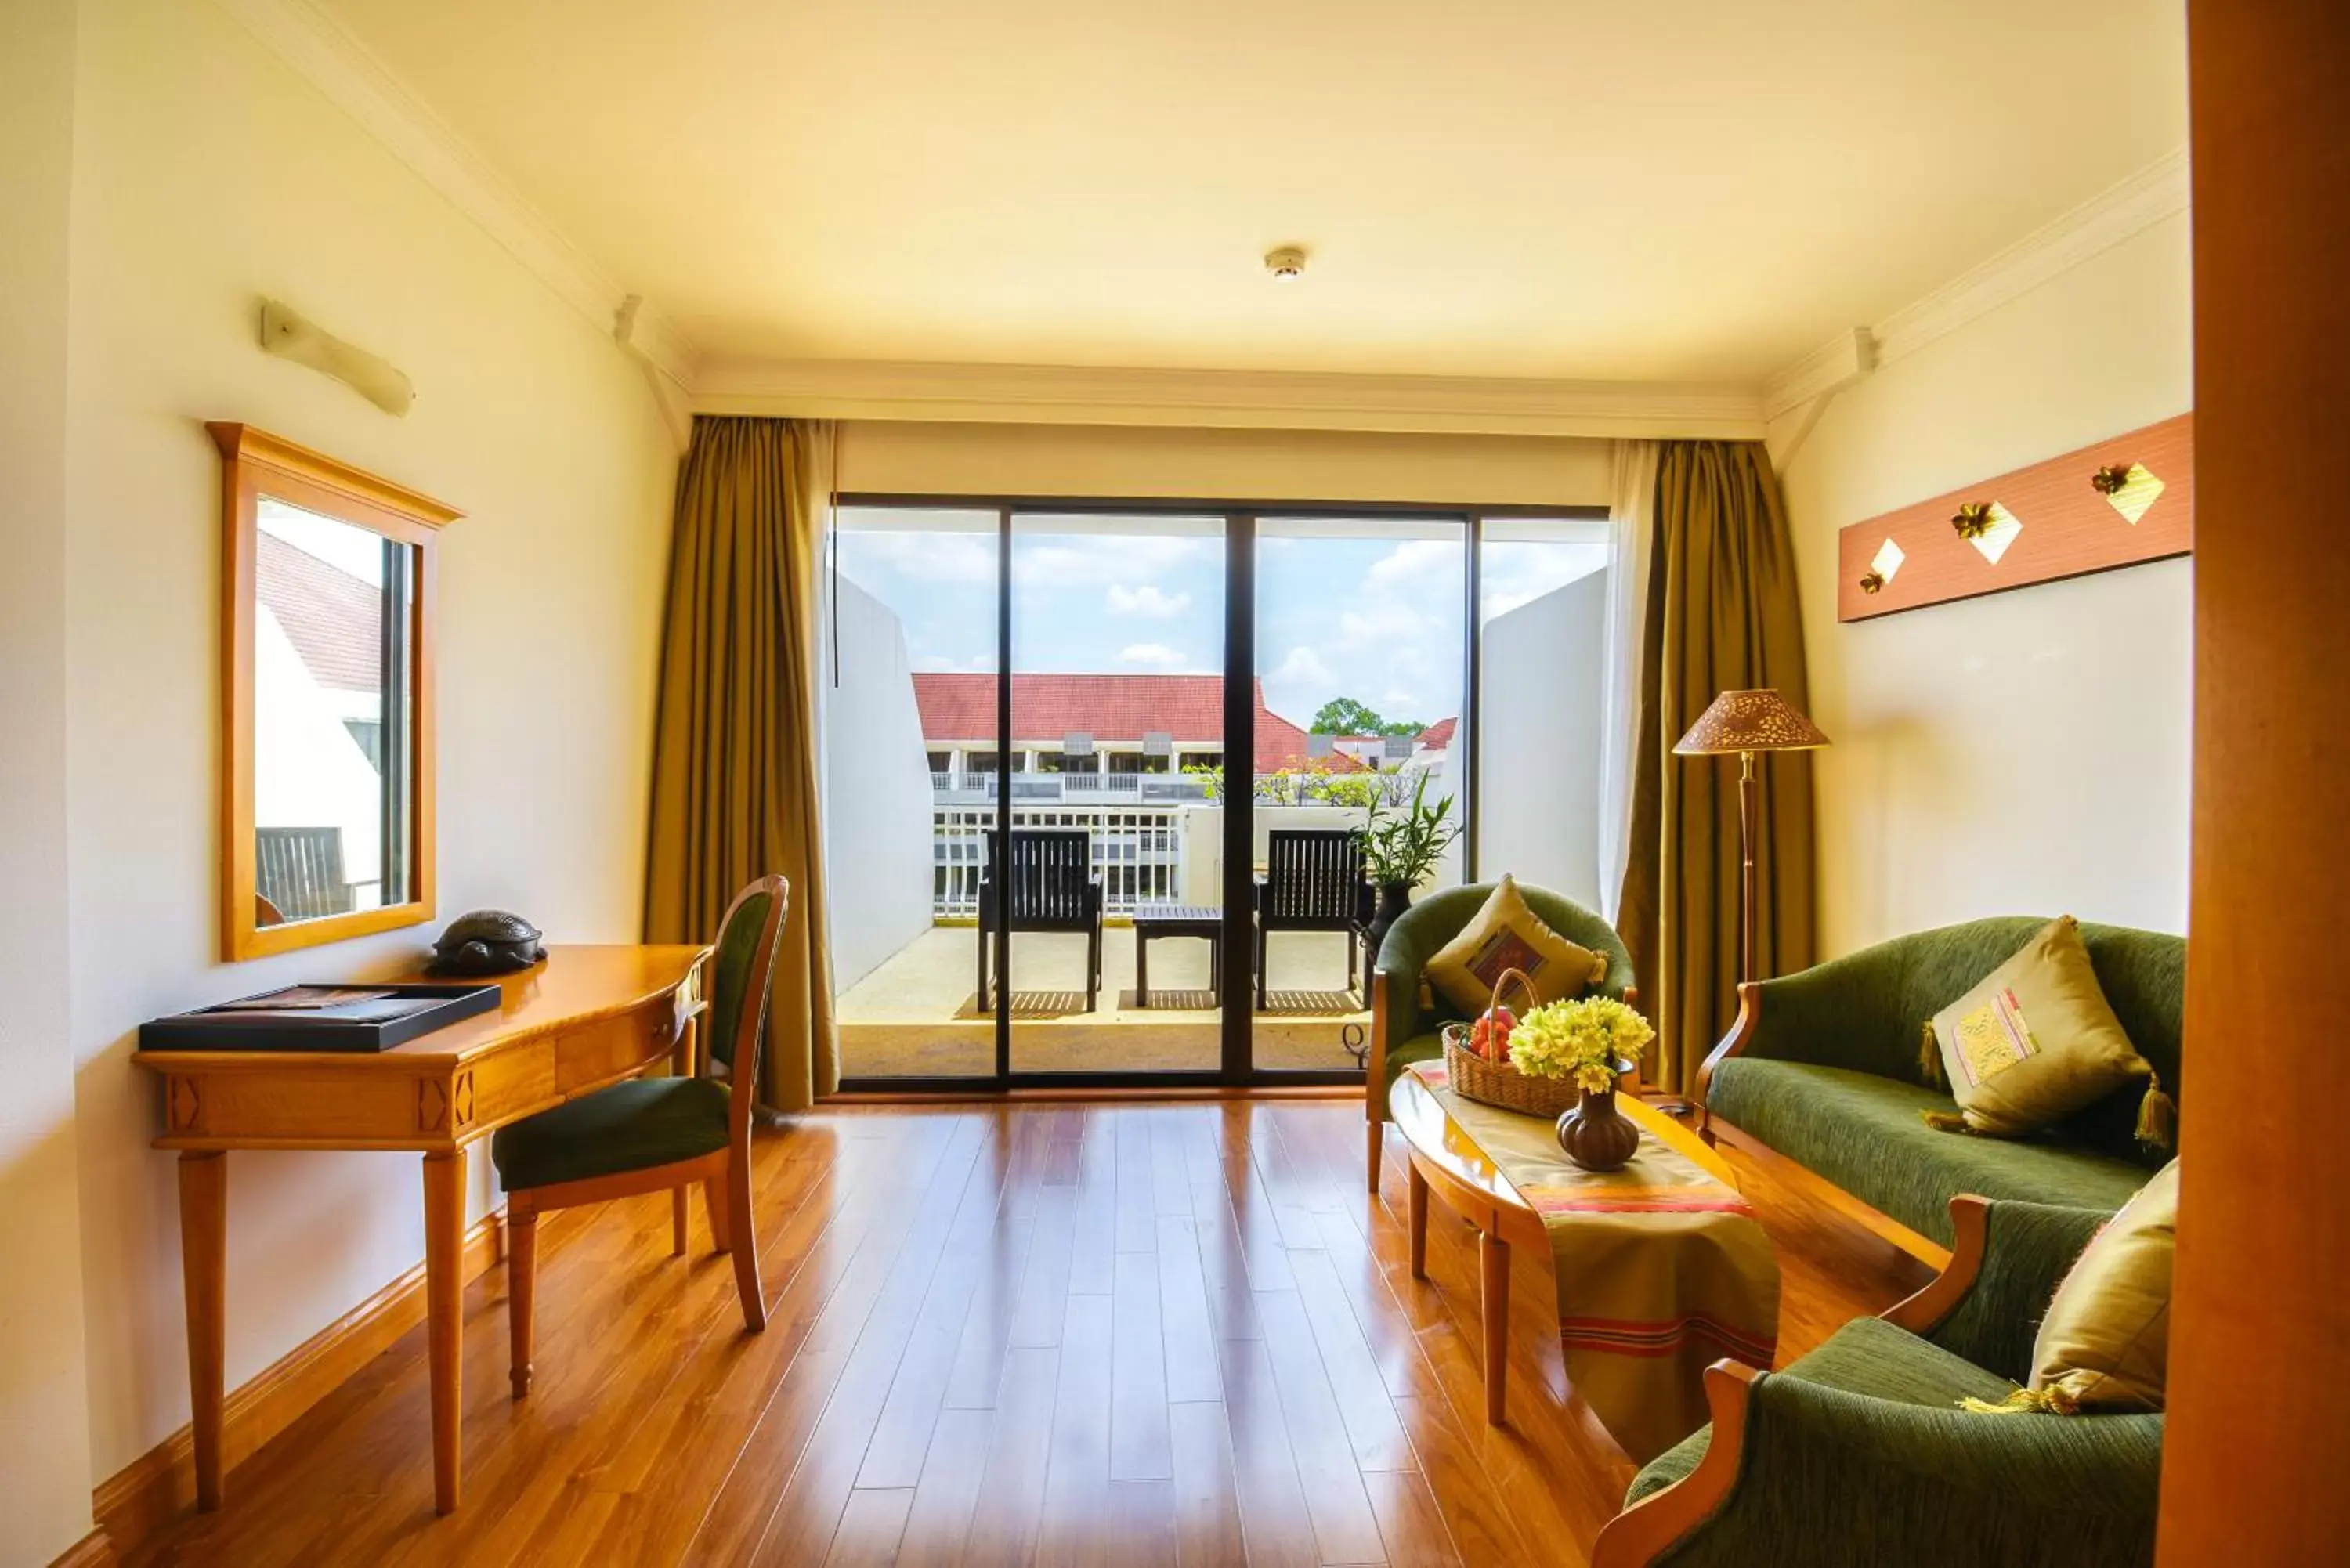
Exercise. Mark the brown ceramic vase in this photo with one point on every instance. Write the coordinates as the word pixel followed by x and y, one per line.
pixel 1595 1134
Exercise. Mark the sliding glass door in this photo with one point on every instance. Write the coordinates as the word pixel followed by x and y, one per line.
pixel 1106 783
pixel 1113 879
pixel 910 785
pixel 1360 679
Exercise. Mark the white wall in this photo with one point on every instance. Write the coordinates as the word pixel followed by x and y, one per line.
pixel 206 173
pixel 876 808
pixel 1538 764
pixel 2025 753
pixel 45 1462
pixel 972 459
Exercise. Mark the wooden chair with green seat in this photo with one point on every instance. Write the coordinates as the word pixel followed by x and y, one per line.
pixel 655 1135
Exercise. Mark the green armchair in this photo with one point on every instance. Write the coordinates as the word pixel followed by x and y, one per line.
pixel 1821 1080
pixel 1404 1031
pixel 1856 1455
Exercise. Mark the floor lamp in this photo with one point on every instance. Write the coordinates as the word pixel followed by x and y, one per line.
pixel 1745 722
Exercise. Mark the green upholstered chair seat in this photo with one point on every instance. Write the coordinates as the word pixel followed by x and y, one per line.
pixel 1863 1133
pixel 634 1125
pixel 1402 1053
pixel 1866 1357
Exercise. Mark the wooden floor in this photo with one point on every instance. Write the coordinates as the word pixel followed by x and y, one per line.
pixel 1139 1334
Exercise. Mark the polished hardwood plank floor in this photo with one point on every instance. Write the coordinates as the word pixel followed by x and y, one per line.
pixel 1167 1332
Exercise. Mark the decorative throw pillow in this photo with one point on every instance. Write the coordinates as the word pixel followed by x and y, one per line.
pixel 1507 934
pixel 2105 1344
pixel 2036 1041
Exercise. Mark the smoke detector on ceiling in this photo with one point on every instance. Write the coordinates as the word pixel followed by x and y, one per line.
pixel 1286 264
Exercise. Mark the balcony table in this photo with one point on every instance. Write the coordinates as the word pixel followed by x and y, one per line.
pixel 1152 922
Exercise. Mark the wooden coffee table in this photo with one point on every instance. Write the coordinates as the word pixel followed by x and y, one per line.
pixel 1445 1160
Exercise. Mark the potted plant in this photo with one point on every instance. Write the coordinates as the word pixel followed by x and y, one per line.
pixel 1400 848
pixel 1593 1041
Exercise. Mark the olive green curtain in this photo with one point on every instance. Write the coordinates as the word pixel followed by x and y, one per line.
pixel 735 740
pixel 1721 615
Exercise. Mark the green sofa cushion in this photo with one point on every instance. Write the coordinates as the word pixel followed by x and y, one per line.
pixel 1864 1011
pixel 1867 1356
pixel 633 1125
pixel 1861 1133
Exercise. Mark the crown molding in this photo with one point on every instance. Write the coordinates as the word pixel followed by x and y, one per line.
pixel 1840 361
pixel 323 53
pixel 1044 394
pixel 2159 191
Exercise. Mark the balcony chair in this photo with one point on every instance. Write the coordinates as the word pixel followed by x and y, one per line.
pixel 1407 1029
pixel 1858 1453
pixel 647 1135
pixel 1053 889
pixel 1313 881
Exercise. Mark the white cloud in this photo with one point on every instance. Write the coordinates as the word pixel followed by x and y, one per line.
pixel 1303 667
pixel 926 557
pixel 1150 600
pixel 1062 561
pixel 1416 564
pixel 1155 653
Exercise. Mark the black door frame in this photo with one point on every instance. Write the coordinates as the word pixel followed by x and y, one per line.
pixel 1236 1065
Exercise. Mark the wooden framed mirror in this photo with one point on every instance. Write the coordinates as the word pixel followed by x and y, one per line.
pixel 327 695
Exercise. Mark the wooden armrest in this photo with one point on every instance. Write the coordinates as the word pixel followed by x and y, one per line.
pixel 1636 1536
pixel 1922 1313
pixel 1735 1043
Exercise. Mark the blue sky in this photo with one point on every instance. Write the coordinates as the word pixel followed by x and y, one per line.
pixel 1375 618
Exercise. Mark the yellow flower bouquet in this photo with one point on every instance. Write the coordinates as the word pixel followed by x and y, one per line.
pixel 1592 1040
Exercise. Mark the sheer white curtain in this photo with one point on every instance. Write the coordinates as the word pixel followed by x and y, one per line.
pixel 1631 520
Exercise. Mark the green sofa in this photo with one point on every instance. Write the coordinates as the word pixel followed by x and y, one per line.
pixel 1404 1031
pixel 1856 1455
pixel 1823 1068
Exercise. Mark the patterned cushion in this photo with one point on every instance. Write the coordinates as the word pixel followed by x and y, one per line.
pixel 2036 1040
pixel 2106 1338
pixel 1506 934
pixel 633 1125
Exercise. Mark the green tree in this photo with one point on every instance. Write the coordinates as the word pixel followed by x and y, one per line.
pixel 1345 716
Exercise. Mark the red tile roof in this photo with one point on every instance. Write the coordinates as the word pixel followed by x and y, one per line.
pixel 1190 707
pixel 334 620
pixel 1439 736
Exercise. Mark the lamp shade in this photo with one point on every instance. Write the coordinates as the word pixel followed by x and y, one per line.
pixel 1760 720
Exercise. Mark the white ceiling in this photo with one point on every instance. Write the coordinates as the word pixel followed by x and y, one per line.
pixel 1671 189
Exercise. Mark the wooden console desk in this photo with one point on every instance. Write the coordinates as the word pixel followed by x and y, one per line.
pixel 586 1017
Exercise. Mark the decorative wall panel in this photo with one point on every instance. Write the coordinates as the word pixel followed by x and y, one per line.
pixel 2115 503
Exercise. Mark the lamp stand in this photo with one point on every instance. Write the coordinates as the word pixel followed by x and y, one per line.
pixel 1745 867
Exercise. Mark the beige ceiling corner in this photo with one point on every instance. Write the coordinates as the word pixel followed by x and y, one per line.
pixel 326 55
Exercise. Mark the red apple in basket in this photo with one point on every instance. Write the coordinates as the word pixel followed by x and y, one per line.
pixel 1490 1036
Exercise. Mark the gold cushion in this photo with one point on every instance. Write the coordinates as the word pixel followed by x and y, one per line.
pixel 2036 1041
pixel 2105 1344
pixel 1507 934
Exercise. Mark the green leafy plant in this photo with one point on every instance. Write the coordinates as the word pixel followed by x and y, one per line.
pixel 1211 778
pixel 1403 846
pixel 1346 716
pixel 1587 1039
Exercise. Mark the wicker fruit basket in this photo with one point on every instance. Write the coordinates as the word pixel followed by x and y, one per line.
pixel 1498 1083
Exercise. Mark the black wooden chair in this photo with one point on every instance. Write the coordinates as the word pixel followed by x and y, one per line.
pixel 1313 881
pixel 1053 889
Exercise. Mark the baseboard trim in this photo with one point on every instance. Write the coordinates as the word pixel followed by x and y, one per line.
pixel 95 1550
pixel 154 1488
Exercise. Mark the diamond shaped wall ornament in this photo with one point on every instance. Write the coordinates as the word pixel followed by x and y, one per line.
pixel 2129 491
pixel 1887 561
pixel 1990 529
